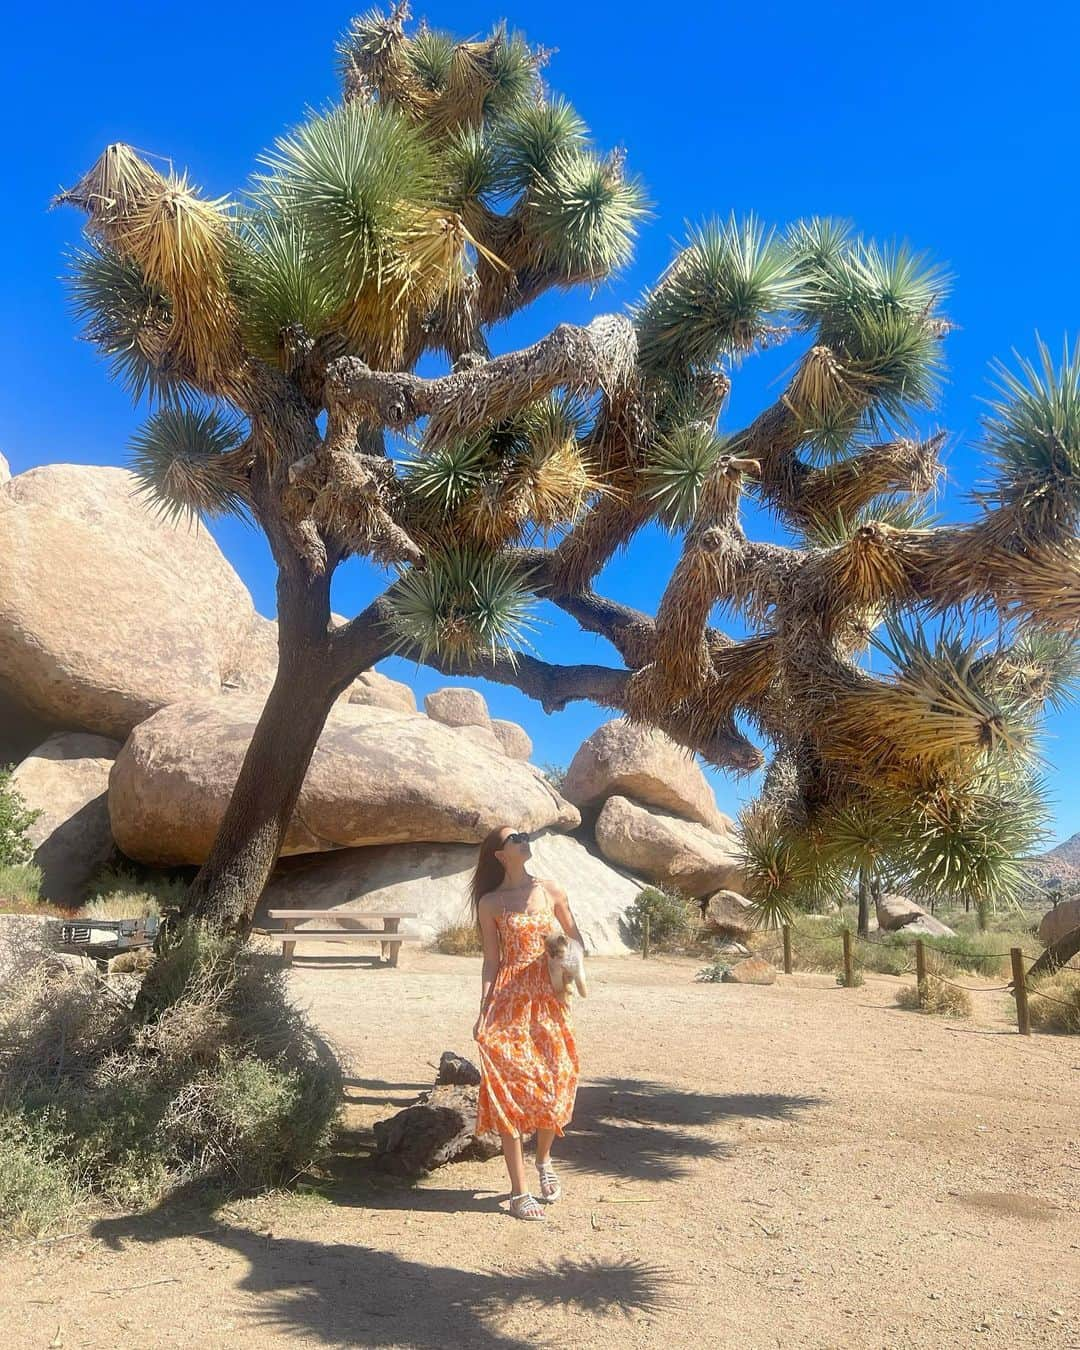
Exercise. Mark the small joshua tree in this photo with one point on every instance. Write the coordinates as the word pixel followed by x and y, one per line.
pixel 446 192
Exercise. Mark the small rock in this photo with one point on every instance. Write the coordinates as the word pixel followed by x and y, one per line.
pixel 751 971
pixel 439 1128
pixel 728 912
pixel 456 1071
pixel 458 708
pixel 514 739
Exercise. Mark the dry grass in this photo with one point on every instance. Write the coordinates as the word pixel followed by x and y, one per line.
pixel 1059 1010
pixel 942 999
pixel 459 939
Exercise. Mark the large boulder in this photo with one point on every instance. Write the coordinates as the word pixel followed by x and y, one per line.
pixel 514 740
pixel 432 881
pixel 1056 922
pixel 729 912
pixel 376 777
pixel 20 729
pixel 66 779
pixel 108 611
pixel 624 759
pixel 456 707
pixel 666 849
pixel 896 912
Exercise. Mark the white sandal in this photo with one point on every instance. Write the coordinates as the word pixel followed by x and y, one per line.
pixel 550 1190
pixel 525 1207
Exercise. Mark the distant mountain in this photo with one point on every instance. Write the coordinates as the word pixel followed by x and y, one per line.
pixel 1060 865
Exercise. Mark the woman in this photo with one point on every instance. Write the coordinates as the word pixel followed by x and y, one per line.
pixel 528 1059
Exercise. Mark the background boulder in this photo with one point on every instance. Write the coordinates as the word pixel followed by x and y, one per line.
pixel 67 779
pixel 377 776
pixel 514 740
pixel 897 912
pixel 667 849
pixel 432 881
pixel 458 707
pixel 622 759
pixel 107 610
pixel 729 912
pixel 1056 922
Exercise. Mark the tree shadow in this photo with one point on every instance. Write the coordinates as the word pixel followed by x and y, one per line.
pixel 339 1293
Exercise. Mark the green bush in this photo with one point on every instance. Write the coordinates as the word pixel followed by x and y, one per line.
pixel 673 921
pixel 555 774
pixel 1060 1009
pixel 15 822
pixel 217 1079
pixel 38 1178
pixel 20 888
pixel 713 974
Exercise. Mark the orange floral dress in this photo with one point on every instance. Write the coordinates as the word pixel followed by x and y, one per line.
pixel 528 1057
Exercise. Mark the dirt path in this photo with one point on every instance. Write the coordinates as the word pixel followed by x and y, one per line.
pixel 792 1166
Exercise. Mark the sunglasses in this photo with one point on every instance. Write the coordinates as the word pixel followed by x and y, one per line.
pixel 518 837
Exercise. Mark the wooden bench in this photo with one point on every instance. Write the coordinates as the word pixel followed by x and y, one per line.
pixel 351 931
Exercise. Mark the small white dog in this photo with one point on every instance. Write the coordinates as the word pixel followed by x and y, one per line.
pixel 566 966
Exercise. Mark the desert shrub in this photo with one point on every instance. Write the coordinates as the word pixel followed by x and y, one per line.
pixel 946 1000
pixel 15 821
pixel 125 893
pixel 555 774
pixel 1060 1009
pixel 20 888
pixel 38 1182
pixel 459 939
pixel 217 1079
pixel 713 974
pixel 857 978
pixel 673 921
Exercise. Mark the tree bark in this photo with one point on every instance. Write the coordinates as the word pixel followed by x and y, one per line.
pixel 1058 954
pixel 311 675
pixel 864 902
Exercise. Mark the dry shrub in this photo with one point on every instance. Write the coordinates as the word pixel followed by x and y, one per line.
pixel 944 999
pixel 1059 1010
pixel 674 923
pixel 459 939
pixel 214 1077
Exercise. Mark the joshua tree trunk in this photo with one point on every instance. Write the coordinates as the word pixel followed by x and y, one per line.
pixel 1058 954
pixel 311 674
pixel 864 901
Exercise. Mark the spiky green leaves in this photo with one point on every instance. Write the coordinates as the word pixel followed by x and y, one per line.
pixel 128 320
pixel 345 178
pixel 585 213
pixel 675 471
pixel 190 463
pixel 724 293
pixel 533 141
pixel 1032 433
pixel 280 280
pixel 782 869
pixel 464 606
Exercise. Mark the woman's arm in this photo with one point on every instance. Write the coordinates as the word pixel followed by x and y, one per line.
pixel 562 911
pixel 489 933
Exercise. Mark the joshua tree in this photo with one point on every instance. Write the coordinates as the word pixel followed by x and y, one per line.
pixel 447 191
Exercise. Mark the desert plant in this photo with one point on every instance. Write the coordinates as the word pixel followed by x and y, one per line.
pixel 714 973
pixel 20 887
pixel 459 939
pixel 555 774
pixel 941 998
pixel 1054 1002
pixel 448 190
pixel 222 1082
pixel 673 921
pixel 15 821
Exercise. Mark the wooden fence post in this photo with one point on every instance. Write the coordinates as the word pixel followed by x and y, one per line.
pixel 1023 1015
pixel 645 939
pixel 787 949
pixel 849 971
pixel 920 971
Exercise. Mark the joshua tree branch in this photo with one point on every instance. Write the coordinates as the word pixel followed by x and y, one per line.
pixel 598 356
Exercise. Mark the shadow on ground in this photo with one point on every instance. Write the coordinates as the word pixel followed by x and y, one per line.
pixel 345 1294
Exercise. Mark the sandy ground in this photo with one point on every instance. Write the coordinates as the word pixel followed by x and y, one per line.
pixel 799 1165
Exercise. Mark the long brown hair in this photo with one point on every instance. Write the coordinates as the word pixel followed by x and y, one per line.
pixel 489 873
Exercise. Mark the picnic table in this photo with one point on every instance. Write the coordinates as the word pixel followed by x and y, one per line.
pixel 353 926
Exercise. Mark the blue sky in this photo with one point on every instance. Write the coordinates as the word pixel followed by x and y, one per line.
pixel 949 125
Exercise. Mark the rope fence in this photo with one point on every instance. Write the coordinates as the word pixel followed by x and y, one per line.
pixel 1017 986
